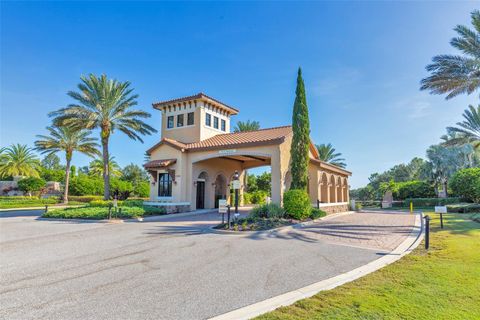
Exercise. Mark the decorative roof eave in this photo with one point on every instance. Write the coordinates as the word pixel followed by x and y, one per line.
pixel 239 145
pixel 199 96
pixel 330 167
pixel 172 143
pixel 163 163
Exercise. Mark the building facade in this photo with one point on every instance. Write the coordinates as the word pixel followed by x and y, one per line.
pixel 194 163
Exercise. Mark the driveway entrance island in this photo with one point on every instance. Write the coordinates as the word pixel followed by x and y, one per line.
pixel 177 268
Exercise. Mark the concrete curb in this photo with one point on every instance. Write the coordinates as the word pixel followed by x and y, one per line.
pixel 289 227
pixel 256 309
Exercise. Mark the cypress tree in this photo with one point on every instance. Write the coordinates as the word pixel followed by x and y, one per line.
pixel 301 137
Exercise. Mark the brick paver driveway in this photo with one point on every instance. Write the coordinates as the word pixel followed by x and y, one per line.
pixel 175 269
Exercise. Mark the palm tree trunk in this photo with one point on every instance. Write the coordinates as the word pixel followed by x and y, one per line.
pixel 67 180
pixel 106 174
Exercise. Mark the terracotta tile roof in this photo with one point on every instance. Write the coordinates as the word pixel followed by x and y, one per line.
pixel 246 138
pixel 159 163
pixel 198 96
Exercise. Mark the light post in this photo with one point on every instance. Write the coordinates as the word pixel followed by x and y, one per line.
pixel 236 187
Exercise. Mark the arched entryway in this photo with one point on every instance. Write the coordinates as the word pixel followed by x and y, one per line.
pixel 200 197
pixel 220 188
pixel 332 190
pixel 324 189
pixel 339 190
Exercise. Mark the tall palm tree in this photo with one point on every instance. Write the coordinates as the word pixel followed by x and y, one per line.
pixel 18 160
pixel 68 140
pixel 95 168
pixel 468 131
pixel 246 126
pixel 327 153
pixel 457 74
pixel 105 104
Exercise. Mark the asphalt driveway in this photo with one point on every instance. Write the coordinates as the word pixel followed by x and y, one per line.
pixel 174 269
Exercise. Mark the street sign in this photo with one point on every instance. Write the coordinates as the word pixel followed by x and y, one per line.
pixel 236 184
pixel 222 206
pixel 440 209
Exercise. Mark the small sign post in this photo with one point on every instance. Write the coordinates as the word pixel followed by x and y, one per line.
pixel 236 187
pixel 441 210
pixel 222 208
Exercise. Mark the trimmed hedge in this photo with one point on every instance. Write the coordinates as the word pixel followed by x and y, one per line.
pixel 297 204
pixel 464 208
pixel 431 202
pixel 466 183
pixel 84 199
pixel 270 211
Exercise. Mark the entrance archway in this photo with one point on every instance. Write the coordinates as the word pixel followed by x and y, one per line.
pixel 220 188
pixel 324 189
pixel 332 189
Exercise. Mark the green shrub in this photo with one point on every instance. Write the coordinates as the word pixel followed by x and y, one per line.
pixel 317 213
pixel 141 189
pixel 414 189
pixel 258 197
pixel 464 208
pixel 31 184
pixel 84 199
pixel 466 183
pixel 358 206
pixel 85 185
pixel 297 204
pixel 247 198
pixel 430 202
pixel 270 211
pixel 104 203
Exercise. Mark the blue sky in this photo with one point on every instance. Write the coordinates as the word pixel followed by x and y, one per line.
pixel 362 63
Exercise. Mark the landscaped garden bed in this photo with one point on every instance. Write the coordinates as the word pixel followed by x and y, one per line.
pixel 297 208
pixel 99 209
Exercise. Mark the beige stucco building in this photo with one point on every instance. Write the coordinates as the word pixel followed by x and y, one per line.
pixel 194 163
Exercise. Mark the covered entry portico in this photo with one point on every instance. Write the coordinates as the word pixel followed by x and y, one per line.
pixel 194 163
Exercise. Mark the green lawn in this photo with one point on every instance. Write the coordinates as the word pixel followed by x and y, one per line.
pixel 443 283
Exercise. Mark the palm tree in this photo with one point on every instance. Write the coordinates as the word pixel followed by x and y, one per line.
pixel 18 160
pixel 468 131
pixel 457 74
pixel 104 104
pixel 68 140
pixel 327 153
pixel 95 168
pixel 246 126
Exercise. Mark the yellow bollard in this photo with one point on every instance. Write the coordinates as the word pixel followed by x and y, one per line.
pixel 411 207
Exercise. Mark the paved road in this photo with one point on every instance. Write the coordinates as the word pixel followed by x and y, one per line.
pixel 175 269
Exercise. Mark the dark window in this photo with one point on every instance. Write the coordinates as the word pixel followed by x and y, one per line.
pixel 215 122
pixel 164 185
pixel 170 122
pixel 223 124
pixel 208 119
pixel 180 120
pixel 190 120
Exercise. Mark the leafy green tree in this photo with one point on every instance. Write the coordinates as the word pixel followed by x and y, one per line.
pixel 467 131
pixel 264 182
pixel 327 153
pixel 67 140
pixel 96 167
pixel 251 183
pixel 248 125
pixel 105 104
pixel 19 160
pixel 301 137
pixel 133 173
pixel 445 161
pixel 31 184
pixel 466 183
pixel 457 74
pixel 51 161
